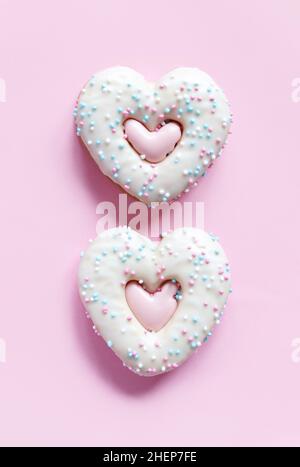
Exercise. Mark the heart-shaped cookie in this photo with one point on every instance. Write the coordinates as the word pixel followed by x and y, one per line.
pixel 186 97
pixel 189 258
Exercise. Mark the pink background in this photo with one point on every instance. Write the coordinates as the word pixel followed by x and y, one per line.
pixel 60 384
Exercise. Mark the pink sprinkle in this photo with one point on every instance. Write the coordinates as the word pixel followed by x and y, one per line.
pixel 105 310
pixel 129 318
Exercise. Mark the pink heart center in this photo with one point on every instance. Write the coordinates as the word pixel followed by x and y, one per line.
pixel 153 146
pixel 153 310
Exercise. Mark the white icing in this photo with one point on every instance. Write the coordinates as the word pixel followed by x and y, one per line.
pixel 190 256
pixel 185 95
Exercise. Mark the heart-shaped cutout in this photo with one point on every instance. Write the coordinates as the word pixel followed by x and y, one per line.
pixel 152 146
pixel 187 96
pixel 153 310
pixel 191 257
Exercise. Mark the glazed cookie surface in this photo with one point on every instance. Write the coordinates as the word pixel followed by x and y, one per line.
pixel 154 303
pixel 154 139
